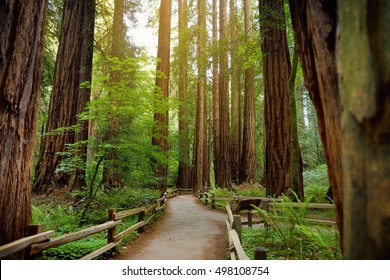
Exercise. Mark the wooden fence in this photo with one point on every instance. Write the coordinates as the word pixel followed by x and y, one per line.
pixel 243 204
pixel 237 205
pixel 40 241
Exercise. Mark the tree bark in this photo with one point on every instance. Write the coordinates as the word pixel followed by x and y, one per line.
pixel 276 69
pixel 363 62
pixel 200 112
pixel 160 131
pixel 223 176
pixel 184 173
pixel 235 108
pixel 315 24
pixel 64 99
pixel 112 176
pixel 21 43
pixel 88 32
pixel 248 167
pixel 216 122
pixel 296 161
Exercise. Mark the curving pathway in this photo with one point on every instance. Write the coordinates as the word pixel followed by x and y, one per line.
pixel 187 231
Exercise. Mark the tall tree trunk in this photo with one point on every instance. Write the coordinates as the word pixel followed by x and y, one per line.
pixel 112 176
pixel 88 31
pixel 184 173
pixel 276 69
pixel 160 130
pixel 21 42
pixel 216 125
pixel 235 108
pixel 206 145
pixel 64 98
pixel 296 162
pixel 314 24
pixel 363 61
pixel 224 172
pixel 200 112
pixel 248 167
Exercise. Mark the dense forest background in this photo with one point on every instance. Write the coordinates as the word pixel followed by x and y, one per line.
pixel 257 95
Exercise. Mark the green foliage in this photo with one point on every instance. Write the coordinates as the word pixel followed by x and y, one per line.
pixel 62 219
pixel 316 184
pixel 66 219
pixel 120 199
pixel 257 192
pixel 288 236
pixel 220 192
pixel 76 249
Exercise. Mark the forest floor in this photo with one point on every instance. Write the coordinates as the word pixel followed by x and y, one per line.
pixel 187 231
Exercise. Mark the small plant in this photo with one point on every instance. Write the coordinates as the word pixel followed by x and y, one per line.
pixel 287 235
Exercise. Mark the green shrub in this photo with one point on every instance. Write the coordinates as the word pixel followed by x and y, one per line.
pixel 288 236
pixel 316 184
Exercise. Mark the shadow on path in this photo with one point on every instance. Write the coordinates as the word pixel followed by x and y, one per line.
pixel 187 231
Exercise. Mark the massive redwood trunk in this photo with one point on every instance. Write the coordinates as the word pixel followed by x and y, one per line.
pixel 21 41
pixel 235 104
pixel 160 131
pixel 184 173
pixel 223 174
pixel 216 125
pixel 248 167
pixel 363 62
pixel 276 69
pixel 200 112
pixel 315 24
pixel 65 98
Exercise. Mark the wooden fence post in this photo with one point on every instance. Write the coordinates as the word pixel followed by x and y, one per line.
pixel 260 253
pixel 141 216
pixel 111 231
pixel 249 218
pixel 32 230
pixel 212 203
pixel 237 226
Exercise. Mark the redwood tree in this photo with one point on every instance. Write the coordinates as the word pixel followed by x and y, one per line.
pixel 276 69
pixel 314 24
pixel 215 91
pixel 184 173
pixel 235 108
pixel 363 62
pixel 160 130
pixel 65 101
pixel 223 174
pixel 21 41
pixel 248 166
pixel 200 128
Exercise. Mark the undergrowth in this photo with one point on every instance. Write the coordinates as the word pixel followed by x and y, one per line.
pixel 65 218
pixel 287 235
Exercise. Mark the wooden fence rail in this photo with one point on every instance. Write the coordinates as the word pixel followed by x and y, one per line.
pixel 244 204
pixel 37 243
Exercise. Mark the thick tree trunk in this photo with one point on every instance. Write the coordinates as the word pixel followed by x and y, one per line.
pixel 296 160
pixel 276 69
pixel 21 42
pixel 248 167
pixel 184 173
pixel 216 125
pixel 235 108
pixel 160 131
pixel 223 176
pixel 112 176
pixel 64 99
pixel 200 112
pixel 363 61
pixel 314 24
pixel 84 96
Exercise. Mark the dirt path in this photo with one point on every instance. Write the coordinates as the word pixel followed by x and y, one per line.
pixel 187 231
